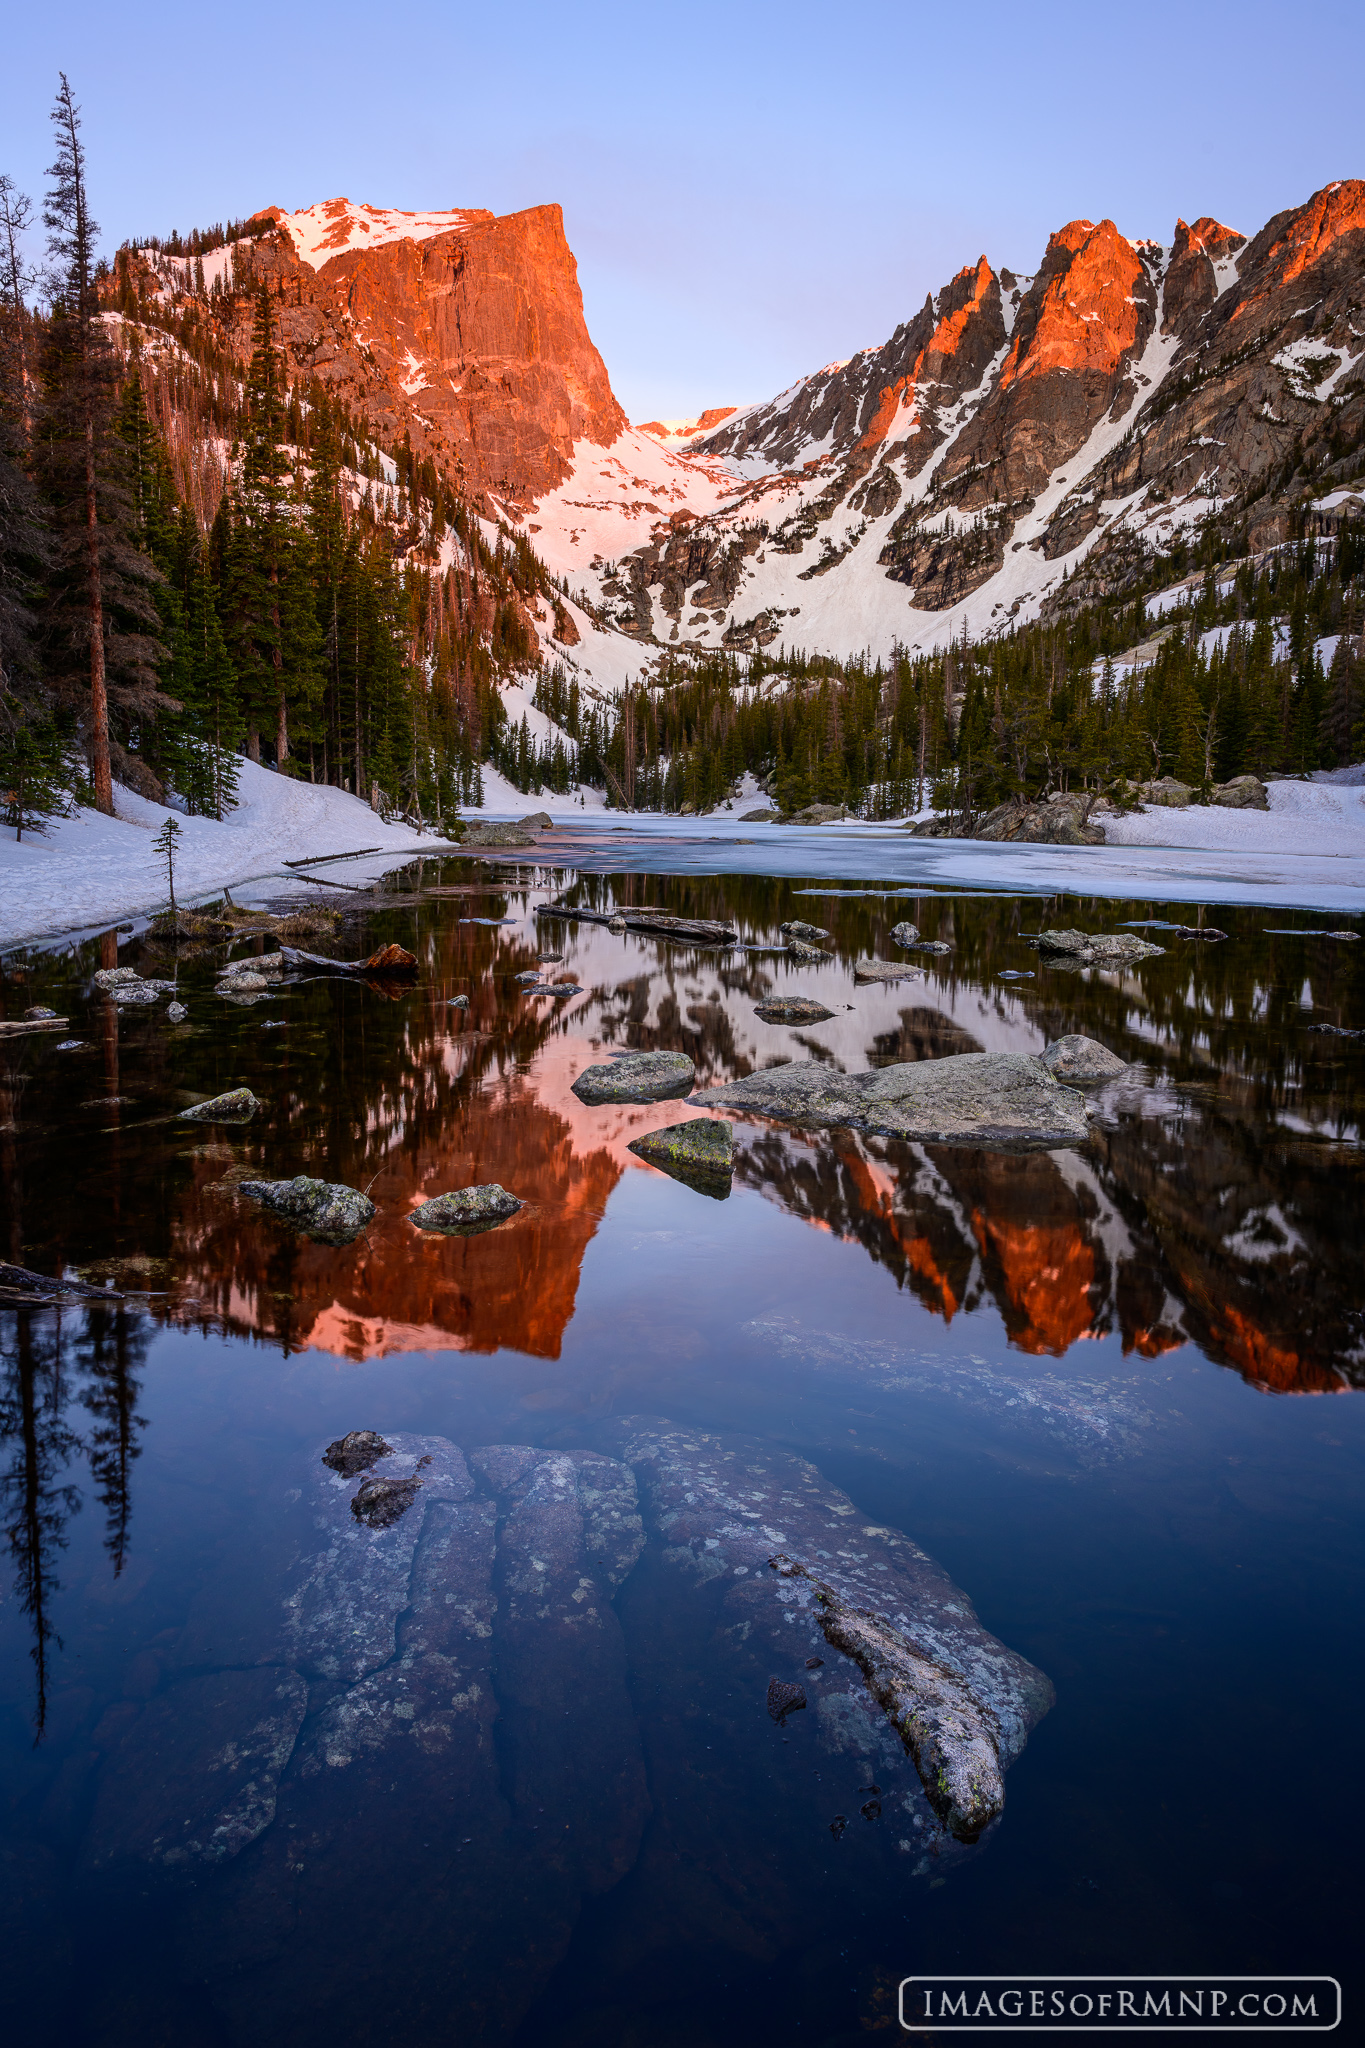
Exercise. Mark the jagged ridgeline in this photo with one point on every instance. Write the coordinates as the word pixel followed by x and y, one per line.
pixel 369 512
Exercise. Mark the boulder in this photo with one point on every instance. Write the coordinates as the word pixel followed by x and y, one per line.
pixel 700 1153
pixel 536 821
pixel 457 1002
pixel 356 1452
pixel 934 946
pixel 1243 793
pixel 326 1210
pixel 905 934
pixel 764 817
pixel 241 984
pixel 998 1099
pixel 1063 822
pixel 884 970
pixel 792 1010
pixel 176 1013
pixel 1105 949
pixel 806 955
pixel 108 978
pixel 636 1077
pixel 1167 793
pixel 806 934
pixel 487 834
pixel 1074 1058
pixel 466 1212
pixel 817 814
pixel 238 1106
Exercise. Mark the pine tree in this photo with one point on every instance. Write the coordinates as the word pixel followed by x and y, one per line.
pixel 104 645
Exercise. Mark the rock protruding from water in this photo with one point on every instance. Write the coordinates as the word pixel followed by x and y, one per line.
pixel 983 1098
pixel 807 955
pixel 1104 949
pixel 792 1010
pixel 807 934
pixel 467 1211
pixel 356 1452
pixel 905 934
pixel 1076 1058
pixel 238 1106
pixel 700 1153
pixel 884 970
pixel 380 1502
pixel 322 1209
pixel 536 821
pixel 784 1698
pixel 636 1077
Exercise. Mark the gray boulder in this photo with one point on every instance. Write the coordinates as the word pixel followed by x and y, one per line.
pixel 326 1210
pixel 905 934
pixel 466 1212
pixel 109 978
pixel 806 955
pixel 1167 794
pixel 817 814
pixel 1003 1099
pixel 792 1010
pixel 700 1153
pixel 884 970
pixel 1084 949
pixel 1074 1058
pixel 176 1013
pixel 764 817
pixel 636 1077
pixel 807 934
pixel 1243 793
pixel 536 821
pixel 238 1106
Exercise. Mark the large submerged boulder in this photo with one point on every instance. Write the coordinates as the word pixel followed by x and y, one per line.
pixel 980 1098
pixel 467 1211
pixel 1084 949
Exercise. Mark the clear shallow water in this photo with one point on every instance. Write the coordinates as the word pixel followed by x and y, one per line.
pixel 1111 1392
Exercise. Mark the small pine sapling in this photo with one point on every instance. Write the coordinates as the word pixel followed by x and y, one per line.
pixel 165 843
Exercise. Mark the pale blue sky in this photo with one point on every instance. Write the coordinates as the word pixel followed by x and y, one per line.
pixel 750 190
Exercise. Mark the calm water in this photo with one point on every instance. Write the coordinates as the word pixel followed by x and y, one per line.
pixel 1115 1392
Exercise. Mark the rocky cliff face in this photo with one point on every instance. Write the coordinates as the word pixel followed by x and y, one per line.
pixel 463 330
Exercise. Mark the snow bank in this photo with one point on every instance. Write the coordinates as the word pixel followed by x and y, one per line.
pixel 92 871
pixel 1314 820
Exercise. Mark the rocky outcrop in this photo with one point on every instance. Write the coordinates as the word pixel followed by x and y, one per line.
pixel 326 1211
pixel 1085 949
pixel 1059 821
pixel 238 1106
pixel 971 1098
pixel 637 1077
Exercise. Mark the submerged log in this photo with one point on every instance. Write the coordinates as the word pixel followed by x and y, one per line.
pixel 663 924
pixel 390 961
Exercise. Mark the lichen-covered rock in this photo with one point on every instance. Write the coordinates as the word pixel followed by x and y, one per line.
pixel 934 946
pixel 699 1153
pixel 808 934
pixel 244 983
pixel 322 1209
pixel 380 1502
pixel 108 978
pixel 466 1211
pixel 792 1010
pixel 806 955
pixel 1103 949
pixel 763 817
pixel 967 1098
pixel 1167 794
pixel 238 1106
pixel 176 1013
pixel 637 1077
pixel 1076 1058
pixel 905 933
pixel 817 814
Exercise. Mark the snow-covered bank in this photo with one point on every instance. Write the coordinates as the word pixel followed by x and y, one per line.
pixel 1324 820
pixel 91 870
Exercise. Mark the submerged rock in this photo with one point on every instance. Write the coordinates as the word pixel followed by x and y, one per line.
pixel 905 934
pixel 1075 1058
pixel 700 1153
pixel 793 1567
pixel 807 934
pixel 783 1699
pixel 792 1010
pixel 238 1106
pixel 466 1211
pixel 636 1077
pixel 966 1098
pixel 322 1209
pixel 1101 948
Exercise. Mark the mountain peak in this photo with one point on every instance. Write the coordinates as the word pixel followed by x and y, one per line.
pixel 334 226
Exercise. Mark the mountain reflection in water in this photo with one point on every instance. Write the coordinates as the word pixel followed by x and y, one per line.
pixel 1213 1204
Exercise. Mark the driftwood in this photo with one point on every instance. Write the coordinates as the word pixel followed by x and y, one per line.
pixel 317 860
pixel 18 1284
pixel 389 963
pixel 25 1025
pixel 662 923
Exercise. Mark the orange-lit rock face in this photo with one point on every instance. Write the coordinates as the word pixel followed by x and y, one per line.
pixel 1311 232
pixel 1086 315
pixel 471 340
pixel 1256 1354
pixel 956 353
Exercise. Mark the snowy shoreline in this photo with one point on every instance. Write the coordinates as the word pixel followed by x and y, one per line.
pixel 86 873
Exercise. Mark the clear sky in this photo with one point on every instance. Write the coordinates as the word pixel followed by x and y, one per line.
pixel 751 190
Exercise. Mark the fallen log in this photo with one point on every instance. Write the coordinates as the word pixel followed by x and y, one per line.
pixel 18 1284
pixel 662 923
pixel 26 1024
pixel 389 963
pixel 317 860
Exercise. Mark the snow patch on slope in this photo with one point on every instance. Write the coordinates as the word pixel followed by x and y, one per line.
pixel 335 225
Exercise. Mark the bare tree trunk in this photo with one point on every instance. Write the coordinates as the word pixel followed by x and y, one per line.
pixel 101 774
